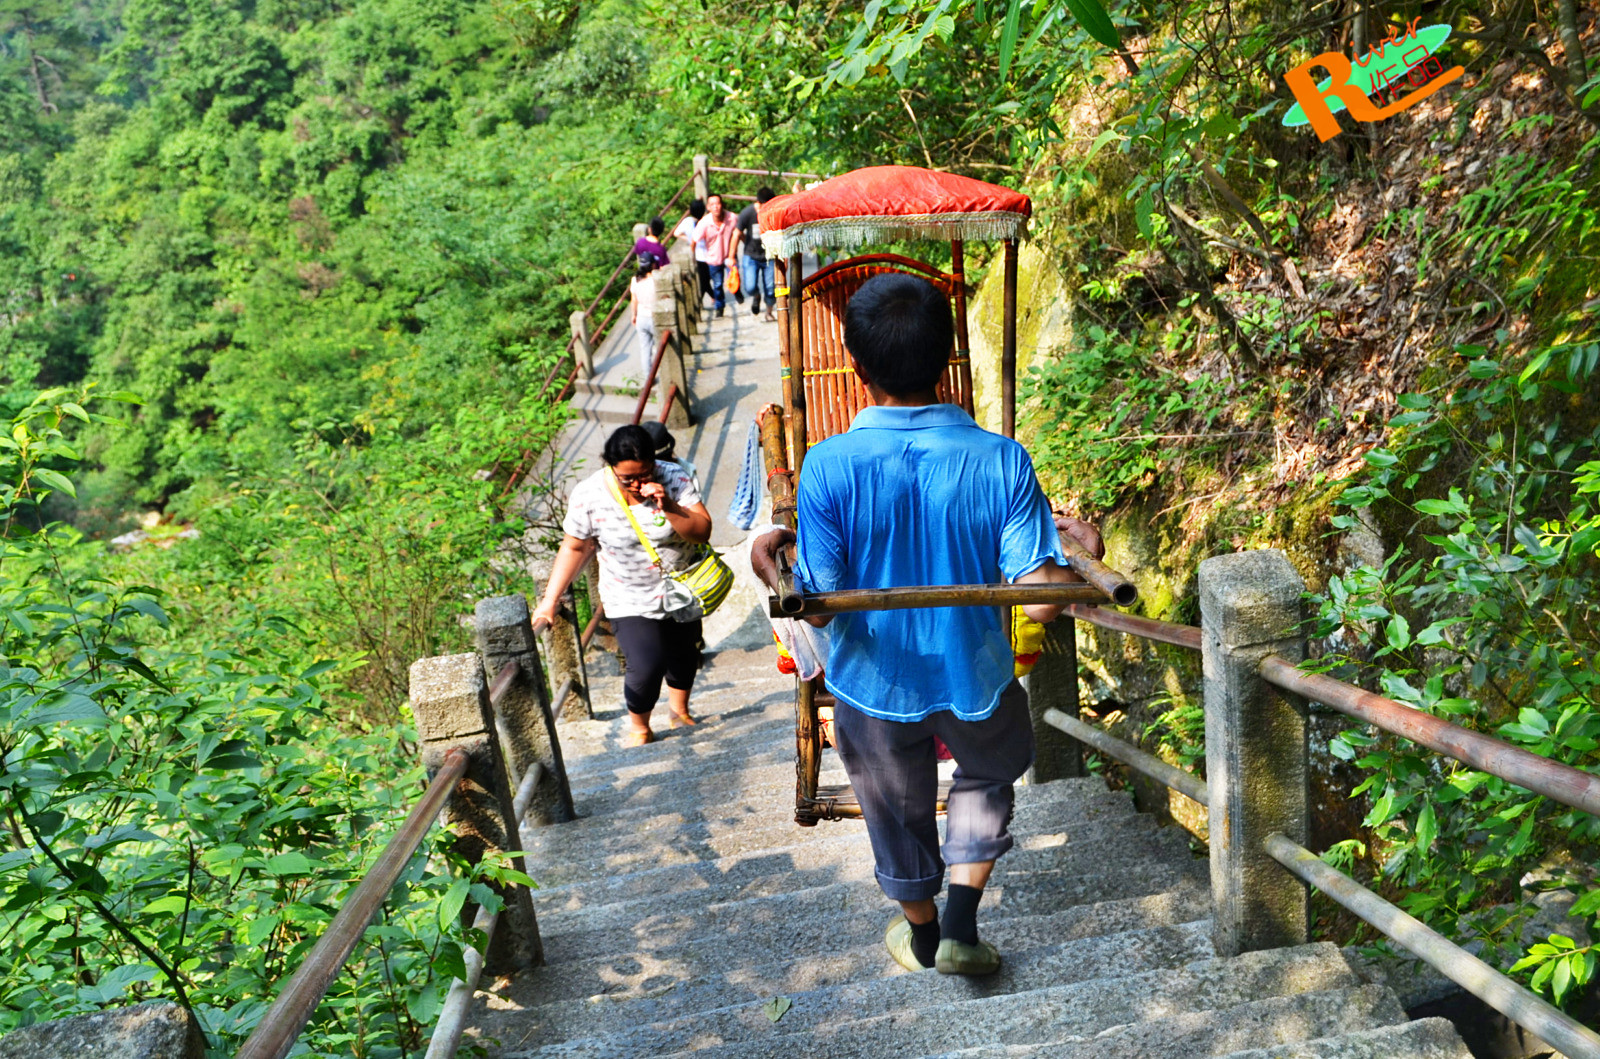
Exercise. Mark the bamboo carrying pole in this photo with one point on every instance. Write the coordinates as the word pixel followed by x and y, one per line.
pixel 1008 349
pixel 963 371
pixel 858 599
pixel 1149 628
pixel 1116 586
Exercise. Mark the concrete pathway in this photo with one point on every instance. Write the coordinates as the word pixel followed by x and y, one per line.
pixel 733 372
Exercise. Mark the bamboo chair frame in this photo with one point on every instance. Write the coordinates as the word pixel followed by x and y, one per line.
pixel 821 395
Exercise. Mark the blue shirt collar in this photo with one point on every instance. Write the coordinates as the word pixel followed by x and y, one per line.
pixel 887 417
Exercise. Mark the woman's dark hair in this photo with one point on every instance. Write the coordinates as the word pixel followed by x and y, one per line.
pixel 765 194
pixel 630 442
pixel 646 265
pixel 657 226
pixel 697 208
pixel 900 331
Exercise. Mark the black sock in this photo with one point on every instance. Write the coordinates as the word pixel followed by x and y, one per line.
pixel 925 941
pixel 960 921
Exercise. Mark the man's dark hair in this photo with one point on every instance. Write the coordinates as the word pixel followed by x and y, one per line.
pixel 697 208
pixel 629 442
pixel 657 226
pixel 900 331
pixel 764 194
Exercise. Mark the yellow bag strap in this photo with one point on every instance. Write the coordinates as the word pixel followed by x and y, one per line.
pixel 616 493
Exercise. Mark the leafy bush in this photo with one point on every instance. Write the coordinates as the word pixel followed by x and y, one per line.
pixel 183 822
pixel 1489 618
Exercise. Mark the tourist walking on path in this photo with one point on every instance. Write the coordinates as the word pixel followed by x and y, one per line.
pixel 649 244
pixel 642 295
pixel 634 495
pixel 685 230
pixel 758 273
pixel 916 493
pixel 713 237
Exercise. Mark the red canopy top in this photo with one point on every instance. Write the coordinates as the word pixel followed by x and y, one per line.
pixel 887 202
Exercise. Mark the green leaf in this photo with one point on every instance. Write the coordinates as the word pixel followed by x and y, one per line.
pixel 451 903
pixel 1141 214
pixel 164 905
pixel 1093 18
pixel 75 711
pixel 1008 36
pixel 260 929
pixel 291 863
pixel 55 480
pixel 777 1007
pixel 1427 826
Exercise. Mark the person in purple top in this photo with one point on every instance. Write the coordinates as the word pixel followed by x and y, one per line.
pixel 650 245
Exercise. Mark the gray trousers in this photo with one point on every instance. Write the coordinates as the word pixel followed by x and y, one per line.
pixel 893 769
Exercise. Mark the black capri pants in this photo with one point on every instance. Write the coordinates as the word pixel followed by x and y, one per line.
pixel 656 649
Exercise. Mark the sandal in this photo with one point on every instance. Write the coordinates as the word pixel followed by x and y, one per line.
pixel 682 720
pixel 637 737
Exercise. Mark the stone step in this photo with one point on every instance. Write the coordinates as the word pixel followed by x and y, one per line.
pixel 1274 1020
pixel 732 1010
pixel 729 780
pixel 1076 1010
pixel 709 880
pixel 1141 852
pixel 610 845
pixel 809 955
pixel 604 407
pixel 1423 1039
pixel 854 913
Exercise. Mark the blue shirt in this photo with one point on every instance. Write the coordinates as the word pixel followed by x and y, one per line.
pixel 920 496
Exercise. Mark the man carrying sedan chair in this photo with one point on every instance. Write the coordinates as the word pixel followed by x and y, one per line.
pixel 916 493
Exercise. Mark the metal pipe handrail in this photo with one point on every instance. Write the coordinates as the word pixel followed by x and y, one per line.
pixel 559 699
pixel 1519 1005
pixel 762 172
pixel 1185 783
pixel 281 1025
pixel 452 1020
pixel 1554 780
pixel 999 595
pixel 650 380
pixel 589 629
pixel 598 335
pixel 503 680
pixel 666 404
pixel 1149 628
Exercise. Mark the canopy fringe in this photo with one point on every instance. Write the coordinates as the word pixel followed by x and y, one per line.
pixel 856 231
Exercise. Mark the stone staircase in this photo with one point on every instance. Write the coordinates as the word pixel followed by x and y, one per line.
pixel 685 913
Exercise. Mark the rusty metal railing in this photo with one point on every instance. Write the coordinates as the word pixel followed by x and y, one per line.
pixel 280 1027
pixel 1552 779
pixel 284 1021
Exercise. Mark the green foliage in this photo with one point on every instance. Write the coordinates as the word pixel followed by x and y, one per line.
pixel 182 822
pixel 1107 415
pixel 1490 618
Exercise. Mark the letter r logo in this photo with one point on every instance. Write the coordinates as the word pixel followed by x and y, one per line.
pixel 1314 101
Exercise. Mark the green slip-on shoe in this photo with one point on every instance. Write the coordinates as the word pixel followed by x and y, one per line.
pixel 898 939
pixel 957 957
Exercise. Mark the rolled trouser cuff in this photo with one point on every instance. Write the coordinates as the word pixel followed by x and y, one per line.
pixel 977 850
pixel 923 889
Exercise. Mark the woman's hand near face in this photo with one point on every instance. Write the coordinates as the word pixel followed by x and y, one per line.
pixel 653 493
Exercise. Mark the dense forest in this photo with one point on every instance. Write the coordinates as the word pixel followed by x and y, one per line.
pixel 282 280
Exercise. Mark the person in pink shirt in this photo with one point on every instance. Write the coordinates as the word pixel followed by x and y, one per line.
pixel 712 238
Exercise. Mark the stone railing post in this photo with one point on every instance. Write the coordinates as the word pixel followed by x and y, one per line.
pixel 669 317
pixel 450 701
pixel 1053 684
pixel 566 663
pixel 582 349
pixel 1256 754
pixel 156 1029
pixel 505 637
pixel 702 177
